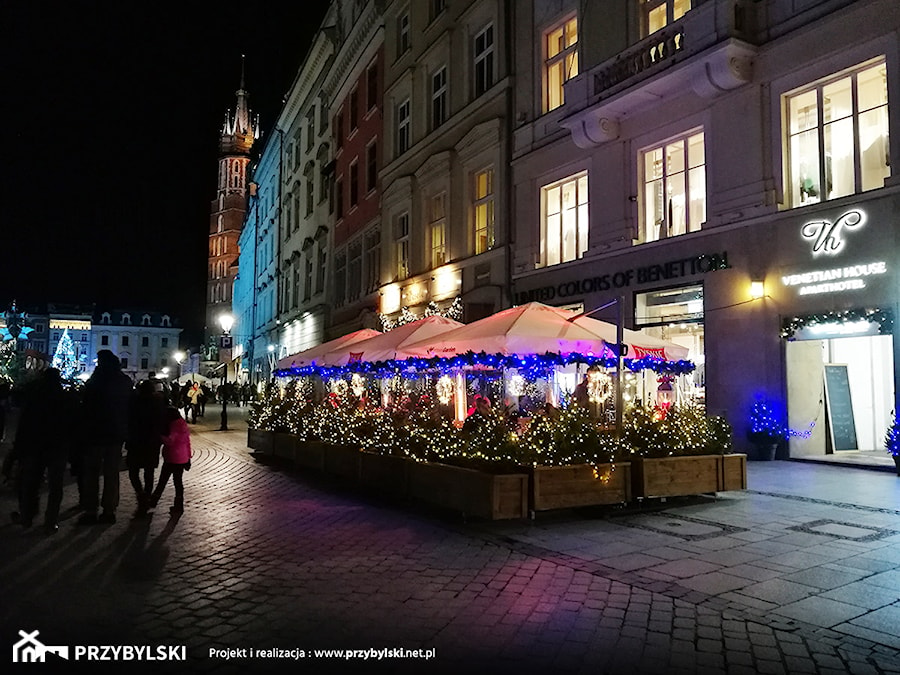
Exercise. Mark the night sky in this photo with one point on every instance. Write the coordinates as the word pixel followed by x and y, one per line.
pixel 111 118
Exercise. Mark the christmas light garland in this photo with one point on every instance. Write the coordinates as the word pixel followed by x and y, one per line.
pixel 883 317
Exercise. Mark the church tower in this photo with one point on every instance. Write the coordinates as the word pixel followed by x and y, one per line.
pixel 239 132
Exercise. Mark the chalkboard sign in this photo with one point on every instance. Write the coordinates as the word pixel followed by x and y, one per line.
pixel 840 407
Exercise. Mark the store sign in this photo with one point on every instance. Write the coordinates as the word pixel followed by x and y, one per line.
pixel 828 237
pixel 674 269
pixel 837 329
pixel 836 280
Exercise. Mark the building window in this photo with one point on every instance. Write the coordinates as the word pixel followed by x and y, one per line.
pixel 295 299
pixel 354 110
pixel 373 261
pixel 403 34
pixel 371 166
pixel 354 183
pixel 164 343
pixel 310 129
pixel 484 60
pixel 145 341
pixel 561 65
pixel 403 130
pixel 439 97
pixel 372 87
pixel 437 229
pixel 339 130
pixel 310 193
pixel 339 197
pixel 124 340
pixel 320 267
pixel 354 269
pixel 565 208
pixel 124 362
pixel 838 136
pixel 657 14
pixel 484 211
pixel 401 236
pixel 308 281
pixel 435 7
pixel 674 188
pixel 145 363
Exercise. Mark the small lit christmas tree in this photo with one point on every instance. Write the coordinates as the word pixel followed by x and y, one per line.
pixel 64 359
pixel 892 439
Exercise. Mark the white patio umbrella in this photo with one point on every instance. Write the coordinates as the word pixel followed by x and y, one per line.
pixel 390 345
pixel 535 328
pixel 315 354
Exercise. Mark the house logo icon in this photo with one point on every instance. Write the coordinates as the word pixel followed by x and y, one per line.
pixel 30 650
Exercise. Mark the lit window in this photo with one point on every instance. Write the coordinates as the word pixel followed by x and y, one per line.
pixel 657 14
pixel 484 60
pixel 401 235
pixel 561 63
pixel 439 97
pixel 484 211
pixel 674 188
pixel 437 228
pixel 837 133
pixel 403 130
pixel 565 207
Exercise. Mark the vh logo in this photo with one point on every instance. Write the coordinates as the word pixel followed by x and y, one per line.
pixel 826 236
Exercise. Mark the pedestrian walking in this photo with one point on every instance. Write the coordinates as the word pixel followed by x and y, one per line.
pixel 193 395
pixel 145 427
pixel 104 408
pixel 43 436
pixel 176 454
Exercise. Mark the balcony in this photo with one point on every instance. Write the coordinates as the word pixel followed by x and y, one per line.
pixel 706 52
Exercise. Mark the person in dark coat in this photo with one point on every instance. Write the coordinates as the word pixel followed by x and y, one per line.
pixel 145 427
pixel 104 409
pixel 43 436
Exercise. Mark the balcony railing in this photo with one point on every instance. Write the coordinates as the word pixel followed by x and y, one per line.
pixel 651 52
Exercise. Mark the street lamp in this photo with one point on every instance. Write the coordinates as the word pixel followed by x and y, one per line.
pixel 226 321
pixel 179 357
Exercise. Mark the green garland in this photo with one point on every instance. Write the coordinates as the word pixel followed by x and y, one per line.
pixel 883 317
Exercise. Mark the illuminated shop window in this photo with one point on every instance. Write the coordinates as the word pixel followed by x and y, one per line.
pixel 565 216
pixel 673 177
pixel 657 14
pixel 837 136
pixel 561 61
pixel 484 211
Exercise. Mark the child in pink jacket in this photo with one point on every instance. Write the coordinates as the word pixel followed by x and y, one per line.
pixel 176 453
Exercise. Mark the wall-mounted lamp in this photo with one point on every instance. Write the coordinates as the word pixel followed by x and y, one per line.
pixel 757 289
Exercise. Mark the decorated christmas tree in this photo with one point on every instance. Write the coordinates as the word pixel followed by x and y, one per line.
pixel 64 359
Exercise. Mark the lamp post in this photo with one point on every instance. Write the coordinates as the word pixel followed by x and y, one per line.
pixel 179 357
pixel 226 321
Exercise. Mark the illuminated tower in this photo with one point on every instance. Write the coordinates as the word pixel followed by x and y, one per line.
pixel 238 134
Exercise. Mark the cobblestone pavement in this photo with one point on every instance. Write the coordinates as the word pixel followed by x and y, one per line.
pixel 799 574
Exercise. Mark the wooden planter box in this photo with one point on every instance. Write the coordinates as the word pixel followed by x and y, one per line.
pixel 284 446
pixel 342 461
pixel 310 455
pixel 472 492
pixel 384 473
pixel 563 487
pixel 682 476
pixel 261 441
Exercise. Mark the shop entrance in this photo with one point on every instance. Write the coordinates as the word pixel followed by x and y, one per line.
pixel 840 394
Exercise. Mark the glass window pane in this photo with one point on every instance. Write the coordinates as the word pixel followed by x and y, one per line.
pixel 554 42
pixel 571 32
pixel 653 203
pixel 696 155
pixel 553 239
pixel 805 167
pixel 675 157
pixel 656 19
pixel 571 66
pixel 839 180
pixel 554 85
pixel 837 100
pixel 582 229
pixel 803 112
pixel 679 7
pixel 873 148
pixel 569 234
pixel 697 193
pixel 583 190
pixel 676 215
pixel 872 86
pixel 653 164
pixel 553 200
pixel 568 195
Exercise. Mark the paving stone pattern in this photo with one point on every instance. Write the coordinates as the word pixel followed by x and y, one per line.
pixel 762 581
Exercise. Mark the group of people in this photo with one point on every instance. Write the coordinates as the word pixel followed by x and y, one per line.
pixel 57 427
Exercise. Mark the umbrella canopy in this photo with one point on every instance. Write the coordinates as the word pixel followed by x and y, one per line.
pixel 390 345
pixel 315 354
pixel 535 328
